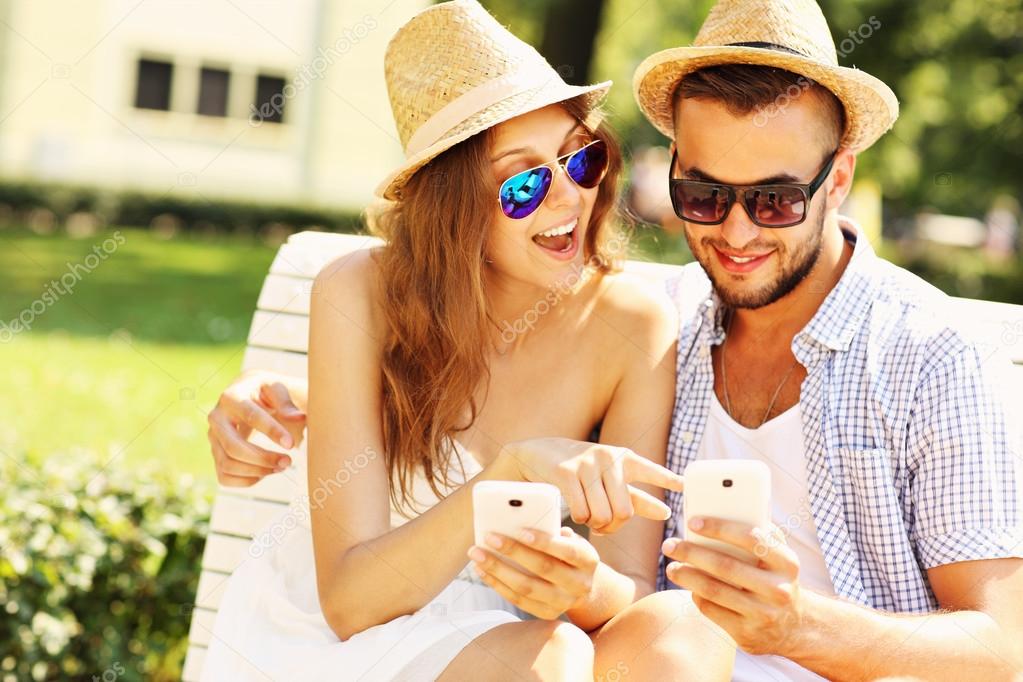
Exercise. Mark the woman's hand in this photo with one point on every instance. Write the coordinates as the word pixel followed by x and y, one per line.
pixel 257 400
pixel 594 479
pixel 559 570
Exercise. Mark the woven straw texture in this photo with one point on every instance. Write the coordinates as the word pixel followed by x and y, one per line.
pixel 447 51
pixel 798 25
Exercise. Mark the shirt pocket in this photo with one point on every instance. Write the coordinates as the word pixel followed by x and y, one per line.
pixel 869 488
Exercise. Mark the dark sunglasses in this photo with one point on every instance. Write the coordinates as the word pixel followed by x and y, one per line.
pixel 774 205
pixel 524 192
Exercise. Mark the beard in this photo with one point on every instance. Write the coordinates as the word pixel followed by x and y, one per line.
pixel 794 269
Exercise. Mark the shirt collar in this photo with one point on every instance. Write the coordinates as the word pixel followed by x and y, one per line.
pixel 843 311
pixel 841 314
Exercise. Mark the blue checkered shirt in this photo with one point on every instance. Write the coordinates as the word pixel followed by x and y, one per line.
pixel 910 459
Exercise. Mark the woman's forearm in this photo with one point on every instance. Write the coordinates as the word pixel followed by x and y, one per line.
pixel 402 570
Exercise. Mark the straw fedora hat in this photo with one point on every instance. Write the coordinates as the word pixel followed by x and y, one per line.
pixel 453 71
pixel 788 34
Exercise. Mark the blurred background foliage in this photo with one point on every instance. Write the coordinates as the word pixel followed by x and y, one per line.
pixel 956 66
pixel 98 572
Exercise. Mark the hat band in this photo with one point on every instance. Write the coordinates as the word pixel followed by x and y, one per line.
pixel 476 100
pixel 769 46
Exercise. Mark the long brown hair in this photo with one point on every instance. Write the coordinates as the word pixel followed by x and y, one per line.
pixel 439 323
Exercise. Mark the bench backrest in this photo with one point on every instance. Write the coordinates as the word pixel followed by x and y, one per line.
pixel 278 340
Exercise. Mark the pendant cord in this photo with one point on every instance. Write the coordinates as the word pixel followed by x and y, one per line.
pixel 724 377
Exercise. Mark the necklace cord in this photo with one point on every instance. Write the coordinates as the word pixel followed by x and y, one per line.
pixel 724 377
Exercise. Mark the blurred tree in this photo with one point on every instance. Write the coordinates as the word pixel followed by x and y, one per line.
pixel 631 32
pixel 564 31
pixel 523 17
pixel 956 66
pixel 569 37
pixel 610 37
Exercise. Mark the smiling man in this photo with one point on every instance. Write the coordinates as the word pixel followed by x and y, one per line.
pixel 893 466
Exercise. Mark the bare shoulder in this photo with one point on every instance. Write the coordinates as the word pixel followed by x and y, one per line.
pixel 348 287
pixel 639 308
pixel 356 270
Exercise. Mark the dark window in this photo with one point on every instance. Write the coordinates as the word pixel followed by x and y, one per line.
pixel 270 98
pixel 153 89
pixel 213 85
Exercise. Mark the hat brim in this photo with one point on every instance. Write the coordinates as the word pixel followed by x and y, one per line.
pixel 871 106
pixel 553 92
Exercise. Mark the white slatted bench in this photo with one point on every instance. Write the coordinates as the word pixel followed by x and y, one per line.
pixel 278 341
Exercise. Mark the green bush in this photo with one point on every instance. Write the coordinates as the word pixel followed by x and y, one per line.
pixel 115 207
pixel 961 272
pixel 99 567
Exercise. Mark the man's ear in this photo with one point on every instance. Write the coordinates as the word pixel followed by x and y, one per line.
pixel 840 183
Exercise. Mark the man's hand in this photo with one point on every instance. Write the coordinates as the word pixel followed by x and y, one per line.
pixel 760 606
pixel 594 479
pixel 257 401
pixel 560 570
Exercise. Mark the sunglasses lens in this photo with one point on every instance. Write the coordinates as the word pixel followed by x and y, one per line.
pixel 587 166
pixel 523 193
pixel 772 206
pixel 700 202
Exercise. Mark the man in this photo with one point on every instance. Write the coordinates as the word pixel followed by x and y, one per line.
pixel 887 444
pixel 898 541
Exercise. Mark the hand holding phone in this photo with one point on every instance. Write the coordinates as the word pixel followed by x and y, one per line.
pixel 730 489
pixel 545 575
pixel 510 507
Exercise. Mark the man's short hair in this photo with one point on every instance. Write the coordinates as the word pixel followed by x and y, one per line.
pixel 745 88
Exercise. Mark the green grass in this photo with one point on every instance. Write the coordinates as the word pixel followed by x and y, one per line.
pixel 130 360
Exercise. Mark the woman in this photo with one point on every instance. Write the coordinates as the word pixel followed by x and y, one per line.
pixel 423 382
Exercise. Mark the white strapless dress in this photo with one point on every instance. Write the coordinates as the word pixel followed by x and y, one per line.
pixel 270 626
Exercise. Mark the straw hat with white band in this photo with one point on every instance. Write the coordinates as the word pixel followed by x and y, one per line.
pixel 788 34
pixel 453 71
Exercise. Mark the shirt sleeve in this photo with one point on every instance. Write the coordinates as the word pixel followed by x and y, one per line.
pixel 966 462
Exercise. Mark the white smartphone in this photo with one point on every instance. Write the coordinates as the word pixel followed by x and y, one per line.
pixel 732 489
pixel 510 507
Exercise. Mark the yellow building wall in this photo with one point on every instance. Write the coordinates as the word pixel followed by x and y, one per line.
pixel 67 87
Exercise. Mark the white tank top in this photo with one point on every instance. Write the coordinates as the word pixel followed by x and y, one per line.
pixel 779 444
